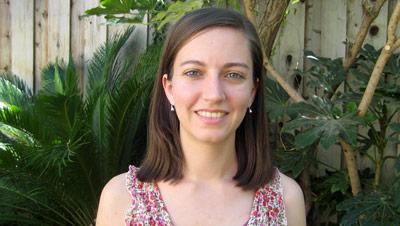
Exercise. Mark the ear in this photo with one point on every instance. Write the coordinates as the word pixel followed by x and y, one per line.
pixel 254 92
pixel 167 85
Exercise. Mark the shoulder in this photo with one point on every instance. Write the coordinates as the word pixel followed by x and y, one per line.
pixel 114 201
pixel 294 201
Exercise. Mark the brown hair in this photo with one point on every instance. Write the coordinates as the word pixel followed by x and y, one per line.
pixel 164 159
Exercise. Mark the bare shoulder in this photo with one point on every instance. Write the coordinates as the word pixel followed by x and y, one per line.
pixel 114 201
pixel 294 201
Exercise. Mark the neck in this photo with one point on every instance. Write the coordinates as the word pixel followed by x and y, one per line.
pixel 209 162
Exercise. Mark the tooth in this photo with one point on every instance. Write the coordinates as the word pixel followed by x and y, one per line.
pixel 211 114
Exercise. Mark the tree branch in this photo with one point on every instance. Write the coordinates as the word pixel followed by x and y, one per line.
pixel 369 15
pixel 353 171
pixel 248 10
pixel 282 82
pixel 248 5
pixel 270 16
pixel 391 45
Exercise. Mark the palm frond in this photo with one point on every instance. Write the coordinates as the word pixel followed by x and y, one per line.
pixel 104 67
pixel 14 91
pixel 28 199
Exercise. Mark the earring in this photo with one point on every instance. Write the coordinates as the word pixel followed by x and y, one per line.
pixel 250 111
pixel 172 108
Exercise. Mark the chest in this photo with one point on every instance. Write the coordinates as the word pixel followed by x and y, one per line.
pixel 151 205
pixel 207 207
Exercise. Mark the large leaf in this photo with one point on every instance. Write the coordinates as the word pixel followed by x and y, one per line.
pixel 320 121
pixel 277 100
pixel 366 208
pixel 325 74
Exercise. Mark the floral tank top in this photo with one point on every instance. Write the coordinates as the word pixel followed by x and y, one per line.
pixel 148 208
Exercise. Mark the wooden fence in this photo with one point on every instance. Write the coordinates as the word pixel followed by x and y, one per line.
pixel 36 32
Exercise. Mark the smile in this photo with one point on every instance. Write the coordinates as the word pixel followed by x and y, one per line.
pixel 213 115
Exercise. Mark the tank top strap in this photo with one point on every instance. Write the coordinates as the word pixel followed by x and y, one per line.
pixel 146 207
pixel 270 208
pixel 134 186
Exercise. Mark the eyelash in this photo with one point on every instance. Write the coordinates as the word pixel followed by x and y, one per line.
pixel 192 73
pixel 236 75
pixel 229 75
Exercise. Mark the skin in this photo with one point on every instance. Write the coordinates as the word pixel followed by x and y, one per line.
pixel 211 89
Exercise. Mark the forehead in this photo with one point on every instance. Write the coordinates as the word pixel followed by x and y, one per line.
pixel 216 44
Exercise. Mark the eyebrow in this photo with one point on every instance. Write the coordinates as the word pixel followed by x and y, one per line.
pixel 232 64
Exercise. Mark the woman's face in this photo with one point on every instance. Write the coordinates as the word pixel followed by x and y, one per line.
pixel 212 85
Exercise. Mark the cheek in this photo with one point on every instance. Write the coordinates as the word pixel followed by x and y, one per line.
pixel 183 94
pixel 241 97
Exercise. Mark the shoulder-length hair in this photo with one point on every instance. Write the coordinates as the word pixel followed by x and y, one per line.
pixel 164 159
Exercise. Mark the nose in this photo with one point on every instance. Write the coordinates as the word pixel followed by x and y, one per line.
pixel 213 89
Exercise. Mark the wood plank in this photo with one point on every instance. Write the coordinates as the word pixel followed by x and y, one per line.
pixel 95 34
pixel 5 36
pixel 77 36
pixel 290 43
pixel 59 30
pixel 378 31
pixel 333 29
pixel 22 34
pixel 41 39
pixel 312 38
pixel 52 31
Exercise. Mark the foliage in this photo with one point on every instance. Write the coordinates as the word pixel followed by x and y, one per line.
pixel 330 114
pixel 59 147
pixel 161 12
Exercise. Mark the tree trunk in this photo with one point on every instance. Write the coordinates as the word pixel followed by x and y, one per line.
pixel 270 14
pixel 352 169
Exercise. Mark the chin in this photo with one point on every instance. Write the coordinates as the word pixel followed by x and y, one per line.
pixel 212 138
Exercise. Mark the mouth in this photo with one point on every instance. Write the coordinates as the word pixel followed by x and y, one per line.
pixel 212 114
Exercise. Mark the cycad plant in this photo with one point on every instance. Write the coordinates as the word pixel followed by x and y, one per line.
pixel 60 146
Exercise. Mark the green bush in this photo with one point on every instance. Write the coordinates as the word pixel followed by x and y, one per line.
pixel 60 146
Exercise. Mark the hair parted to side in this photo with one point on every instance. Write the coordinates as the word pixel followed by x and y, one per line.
pixel 164 159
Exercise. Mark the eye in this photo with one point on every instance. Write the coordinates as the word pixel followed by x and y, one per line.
pixel 192 73
pixel 234 75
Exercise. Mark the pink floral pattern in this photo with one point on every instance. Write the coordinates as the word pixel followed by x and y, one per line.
pixel 148 208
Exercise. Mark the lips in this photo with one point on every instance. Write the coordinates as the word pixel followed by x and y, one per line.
pixel 212 114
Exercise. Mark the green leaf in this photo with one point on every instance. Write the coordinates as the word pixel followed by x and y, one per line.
pixel 395 127
pixel 101 11
pixel 369 207
pixel 116 5
pixel 277 100
pixel 319 120
pixel 16 135
pixel 122 19
pixel 294 161
pixel 328 139
pixel 175 11
pixel 339 181
pixel 307 138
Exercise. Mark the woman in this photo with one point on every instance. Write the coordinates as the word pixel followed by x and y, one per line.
pixel 208 161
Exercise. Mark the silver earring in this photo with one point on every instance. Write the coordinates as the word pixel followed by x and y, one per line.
pixel 172 108
pixel 250 111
